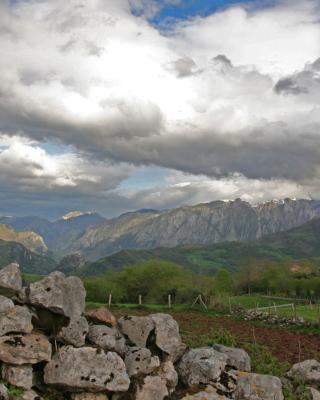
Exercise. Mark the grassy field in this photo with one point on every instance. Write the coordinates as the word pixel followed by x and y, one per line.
pixel 254 301
pixel 309 313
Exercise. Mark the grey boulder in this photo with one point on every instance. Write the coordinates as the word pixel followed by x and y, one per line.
pixel 18 375
pixel 75 332
pixel 10 280
pixel 107 338
pixel 201 366
pixel 152 387
pixel 258 387
pixel 208 394
pixel 168 373
pixel 237 358
pixel 5 304
pixel 136 329
pixel 314 394
pixel 89 396
pixel 139 361
pixel 87 369
pixel 25 349
pixel 4 395
pixel 30 395
pixel 59 294
pixel 167 336
pixel 16 319
pixel 306 372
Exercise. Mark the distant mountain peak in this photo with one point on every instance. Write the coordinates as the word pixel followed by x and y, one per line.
pixel 75 214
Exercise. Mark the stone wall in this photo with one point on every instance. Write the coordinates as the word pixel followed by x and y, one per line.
pixel 51 348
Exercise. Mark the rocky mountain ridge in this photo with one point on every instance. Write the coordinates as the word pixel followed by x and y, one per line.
pixel 298 244
pixel 51 347
pixel 57 235
pixel 29 239
pixel 202 224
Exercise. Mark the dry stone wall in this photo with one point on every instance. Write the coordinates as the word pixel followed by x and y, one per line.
pixel 52 349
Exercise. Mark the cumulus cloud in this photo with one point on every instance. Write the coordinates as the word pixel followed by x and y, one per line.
pixel 305 82
pixel 235 93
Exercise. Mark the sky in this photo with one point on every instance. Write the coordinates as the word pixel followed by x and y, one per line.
pixel 112 106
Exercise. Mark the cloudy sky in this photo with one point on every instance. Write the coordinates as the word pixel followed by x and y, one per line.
pixel 114 105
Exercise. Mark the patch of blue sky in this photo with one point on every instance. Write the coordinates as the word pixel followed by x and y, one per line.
pixel 173 11
pixel 145 177
pixel 56 148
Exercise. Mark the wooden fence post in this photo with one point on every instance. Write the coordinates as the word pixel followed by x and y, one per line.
pixel 140 299
pixel 110 300
pixel 169 300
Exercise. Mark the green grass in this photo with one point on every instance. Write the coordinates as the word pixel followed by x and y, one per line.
pixel 305 312
pixel 254 301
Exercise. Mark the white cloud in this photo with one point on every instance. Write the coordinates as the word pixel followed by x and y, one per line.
pixel 202 100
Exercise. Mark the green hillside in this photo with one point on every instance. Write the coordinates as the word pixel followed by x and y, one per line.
pixel 29 262
pixel 297 244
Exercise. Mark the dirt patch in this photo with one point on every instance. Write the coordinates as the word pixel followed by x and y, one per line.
pixel 287 346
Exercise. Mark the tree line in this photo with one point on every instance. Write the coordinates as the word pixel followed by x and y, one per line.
pixel 154 280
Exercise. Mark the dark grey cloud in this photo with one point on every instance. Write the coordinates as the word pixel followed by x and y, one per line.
pixel 302 82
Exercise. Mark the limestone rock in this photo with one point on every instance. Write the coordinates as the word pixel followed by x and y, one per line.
pixel 10 280
pixel 208 394
pixel 258 387
pixel 237 358
pixel 25 349
pixel 88 396
pixel 16 319
pixel 153 387
pixel 169 374
pixel 30 395
pixel 139 361
pixel 306 372
pixel 59 294
pixel 4 395
pixel 5 304
pixel 101 316
pixel 315 394
pixel 107 338
pixel 136 329
pixel 87 369
pixel 167 336
pixel 75 332
pixel 20 376
pixel 201 366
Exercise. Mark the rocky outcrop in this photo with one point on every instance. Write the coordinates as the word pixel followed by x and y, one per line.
pixel 30 240
pixel 91 356
pixel 202 224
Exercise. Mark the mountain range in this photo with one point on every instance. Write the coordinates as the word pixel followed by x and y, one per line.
pixel 57 235
pixel 202 224
pixel 296 245
pixel 170 234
